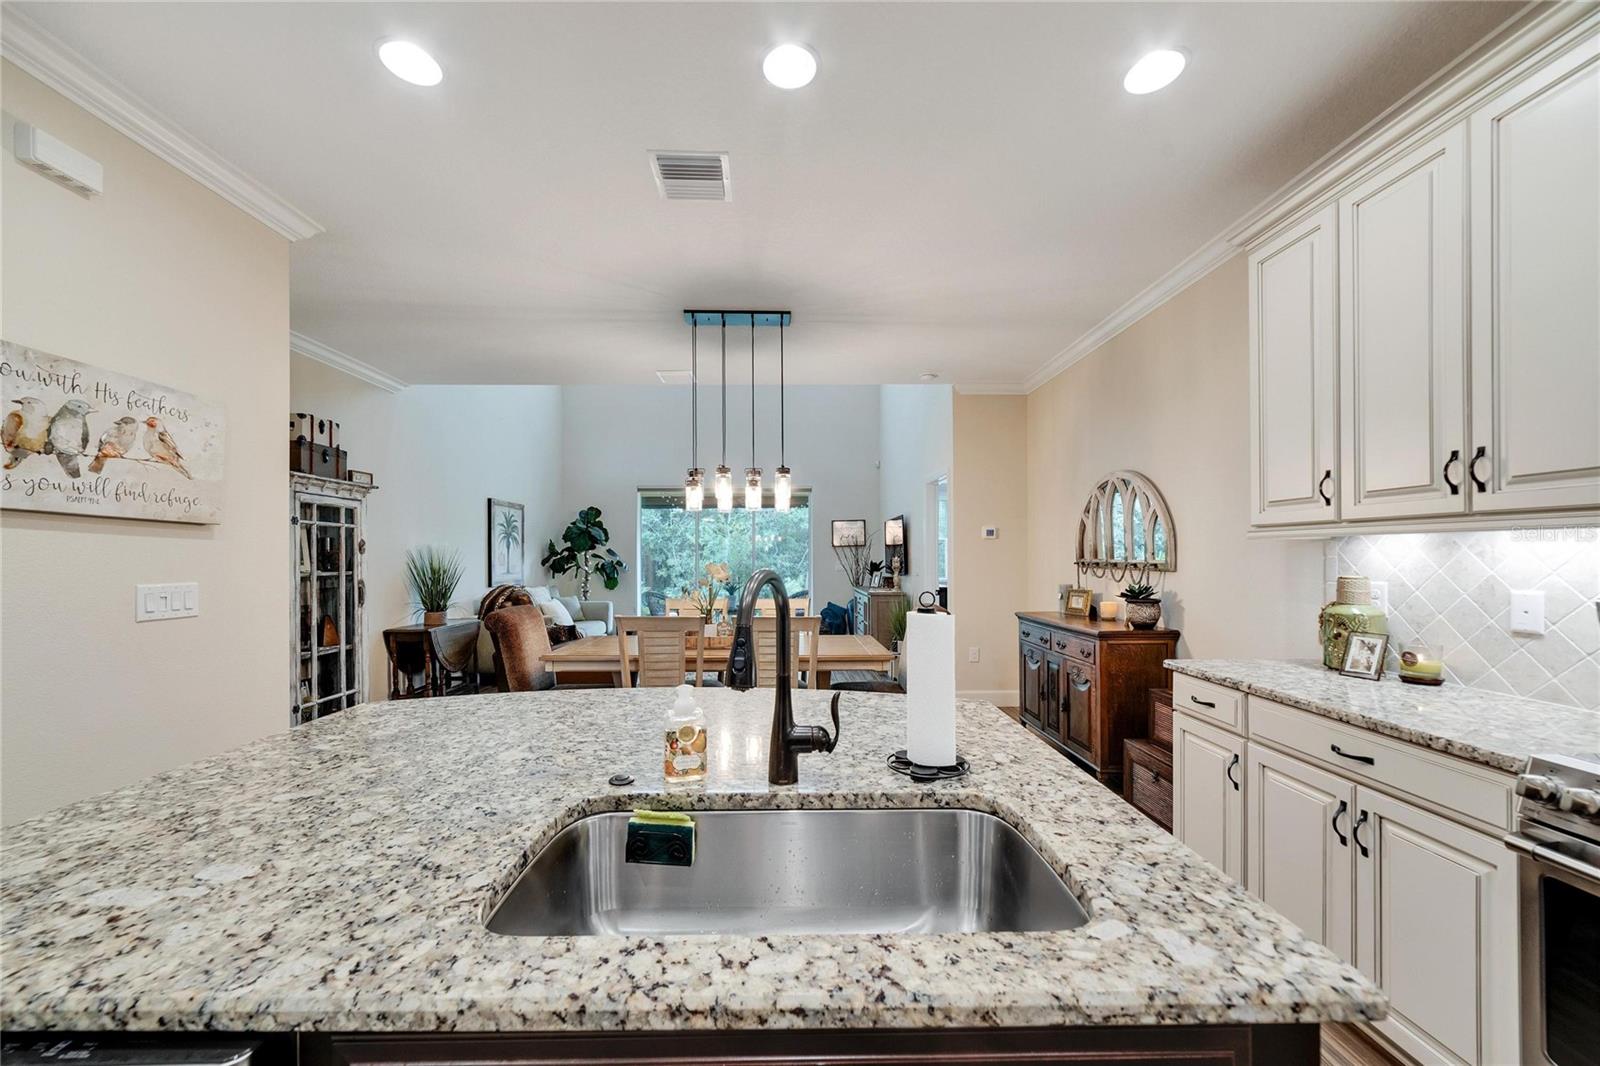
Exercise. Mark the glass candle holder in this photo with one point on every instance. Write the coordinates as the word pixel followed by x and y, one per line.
pixel 1421 663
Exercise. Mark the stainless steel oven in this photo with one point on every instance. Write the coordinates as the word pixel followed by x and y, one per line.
pixel 1557 840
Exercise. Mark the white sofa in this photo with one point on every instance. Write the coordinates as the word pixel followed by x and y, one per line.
pixel 592 618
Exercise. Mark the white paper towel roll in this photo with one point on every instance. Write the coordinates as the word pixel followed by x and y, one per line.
pixel 931 689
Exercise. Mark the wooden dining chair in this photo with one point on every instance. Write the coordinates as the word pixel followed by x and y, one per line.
pixel 766 633
pixel 663 650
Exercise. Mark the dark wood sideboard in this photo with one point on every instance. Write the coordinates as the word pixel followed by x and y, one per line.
pixel 1085 684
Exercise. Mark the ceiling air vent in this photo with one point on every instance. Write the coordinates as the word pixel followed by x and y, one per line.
pixel 692 175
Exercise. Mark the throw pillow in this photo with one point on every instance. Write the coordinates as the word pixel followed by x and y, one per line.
pixel 573 605
pixel 561 634
pixel 556 613
pixel 540 594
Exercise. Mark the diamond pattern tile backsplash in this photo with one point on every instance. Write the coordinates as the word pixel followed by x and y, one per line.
pixel 1454 590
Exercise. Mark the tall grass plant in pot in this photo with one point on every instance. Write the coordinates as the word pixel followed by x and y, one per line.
pixel 432 574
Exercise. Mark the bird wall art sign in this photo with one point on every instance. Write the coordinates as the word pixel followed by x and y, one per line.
pixel 81 440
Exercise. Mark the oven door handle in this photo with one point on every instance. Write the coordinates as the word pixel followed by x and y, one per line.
pixel 1554 859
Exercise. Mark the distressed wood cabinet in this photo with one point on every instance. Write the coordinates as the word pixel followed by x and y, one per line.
pixel 1085 685
pixel 328 625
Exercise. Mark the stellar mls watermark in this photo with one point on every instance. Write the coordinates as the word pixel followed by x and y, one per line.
pixel 1556 534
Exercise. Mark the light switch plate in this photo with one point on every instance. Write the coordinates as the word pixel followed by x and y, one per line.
pixel 157 603
pixel 972 654
pixel 1527 612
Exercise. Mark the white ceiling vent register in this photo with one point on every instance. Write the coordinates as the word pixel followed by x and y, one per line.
pixel 35 148
pixel 692 175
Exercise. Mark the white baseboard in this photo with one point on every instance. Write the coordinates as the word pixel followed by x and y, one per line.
pixel 1000 697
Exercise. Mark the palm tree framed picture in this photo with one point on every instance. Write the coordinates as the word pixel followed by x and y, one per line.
pixel 507 535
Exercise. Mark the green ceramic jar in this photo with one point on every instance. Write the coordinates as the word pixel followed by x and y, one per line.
pixel 1351 612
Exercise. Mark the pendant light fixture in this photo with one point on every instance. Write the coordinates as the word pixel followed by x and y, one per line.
pixel 752 473
pixel 780 481
pixel 724 482
pixel 694 487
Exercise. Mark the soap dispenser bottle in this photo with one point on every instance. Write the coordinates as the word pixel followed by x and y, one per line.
pixel 685 756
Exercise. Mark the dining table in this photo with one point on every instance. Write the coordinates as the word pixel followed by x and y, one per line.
pixel 835 651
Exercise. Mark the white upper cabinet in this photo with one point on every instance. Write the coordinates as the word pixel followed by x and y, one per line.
pixel 1293 332
pixel 1402 359
pixel 1536 289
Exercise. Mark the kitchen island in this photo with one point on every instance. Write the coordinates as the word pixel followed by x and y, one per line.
pixel 335 879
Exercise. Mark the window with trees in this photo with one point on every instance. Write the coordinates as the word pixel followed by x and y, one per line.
pixel 675 545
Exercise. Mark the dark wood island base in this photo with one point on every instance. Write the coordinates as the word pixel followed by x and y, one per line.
pixel 1155 1045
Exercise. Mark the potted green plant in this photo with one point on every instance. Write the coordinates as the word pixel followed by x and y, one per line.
pixel 1144 606
pixel 585 551
pixel 433 574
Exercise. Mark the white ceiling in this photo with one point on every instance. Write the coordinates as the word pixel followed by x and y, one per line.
pixel 964 189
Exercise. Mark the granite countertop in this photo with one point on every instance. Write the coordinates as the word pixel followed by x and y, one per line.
pixel 1481 726
pixel 336 878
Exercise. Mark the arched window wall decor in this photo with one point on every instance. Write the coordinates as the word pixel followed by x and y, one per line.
pixel 1126 529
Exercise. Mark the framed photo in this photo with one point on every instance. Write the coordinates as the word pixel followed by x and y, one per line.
pixel 507 534
pixel 1076 602
pixel 848 532
pixel 896 545
pixel 1363 656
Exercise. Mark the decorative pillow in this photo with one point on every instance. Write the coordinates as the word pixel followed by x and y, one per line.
pixel 561 634
pixel 555 612
pixel 540 594
pixel 573 605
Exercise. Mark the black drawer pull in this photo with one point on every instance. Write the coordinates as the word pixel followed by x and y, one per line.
pixel 1472 469
pixel 1322 488
pixel 1343 806
pixel 1369 760
pixel 1454 486
pixel 1201 702
pixel 1231 778
pixel 1355 831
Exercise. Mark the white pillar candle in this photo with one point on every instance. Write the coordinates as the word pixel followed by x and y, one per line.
pixel 931 689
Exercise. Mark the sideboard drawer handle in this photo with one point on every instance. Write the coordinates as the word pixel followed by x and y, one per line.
pixel 1369 760
pixel 1201 702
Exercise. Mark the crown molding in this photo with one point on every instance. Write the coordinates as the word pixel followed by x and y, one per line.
pixel 1503 55
pixel 38 53
pixel 312 348
pixel 991 390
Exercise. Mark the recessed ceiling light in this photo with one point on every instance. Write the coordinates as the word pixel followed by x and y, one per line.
pixel 927 376
pixel 1156 70
pixel 790 66
pixel 409 62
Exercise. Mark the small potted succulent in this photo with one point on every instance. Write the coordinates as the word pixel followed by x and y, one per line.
pixel 1144 606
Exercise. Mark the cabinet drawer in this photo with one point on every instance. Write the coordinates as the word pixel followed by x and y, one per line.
pixel 1035 635
pixel 1075 648
pixel 1450 785
pixel 1212 703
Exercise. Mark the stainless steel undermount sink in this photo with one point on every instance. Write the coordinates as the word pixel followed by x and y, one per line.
pixel 812 871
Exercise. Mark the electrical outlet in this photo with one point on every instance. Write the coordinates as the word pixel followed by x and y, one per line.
pixel 990 532
pixel 972 654
pixel 1527 612
pixel 1380 596
pixel 157 603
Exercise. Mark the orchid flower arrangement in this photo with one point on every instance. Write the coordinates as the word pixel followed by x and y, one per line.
pixel 704 593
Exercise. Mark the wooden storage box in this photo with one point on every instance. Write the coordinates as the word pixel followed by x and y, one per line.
pixel 1147 780
pixel 318 460
pixel 1161 717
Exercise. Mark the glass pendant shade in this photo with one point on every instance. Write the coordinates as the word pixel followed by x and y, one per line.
pixel 752 488
pixel 724 489
pixel 694 490
pixel 780 489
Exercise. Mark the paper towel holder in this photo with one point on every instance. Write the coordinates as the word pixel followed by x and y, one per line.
pixel 900 763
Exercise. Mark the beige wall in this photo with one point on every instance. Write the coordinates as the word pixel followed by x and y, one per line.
pixel 988 487
pixel 438 453
pixel 164 280
pixel 1169 397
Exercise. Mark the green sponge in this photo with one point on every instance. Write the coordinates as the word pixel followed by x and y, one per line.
pixel 661 838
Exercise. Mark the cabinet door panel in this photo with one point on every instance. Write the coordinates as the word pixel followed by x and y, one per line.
pixel 1293 392
pixel 1077 709
pixel 1302 863
pixel 1402 363
pixel 1535 273
pixel 1437 930
pixel 1051 700
pixel 1032 683
pixel 1207 796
